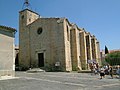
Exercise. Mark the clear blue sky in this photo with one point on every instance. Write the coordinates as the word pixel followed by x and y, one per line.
pixel 99 17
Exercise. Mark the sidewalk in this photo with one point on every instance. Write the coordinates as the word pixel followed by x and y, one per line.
pixel 7 77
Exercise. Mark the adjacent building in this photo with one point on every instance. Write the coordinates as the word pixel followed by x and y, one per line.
pixel 54 43
pixel 7 58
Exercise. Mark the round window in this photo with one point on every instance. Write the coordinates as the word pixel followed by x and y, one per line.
pixel 39 31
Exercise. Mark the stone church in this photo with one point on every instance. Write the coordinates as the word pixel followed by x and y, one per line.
pixel 54 43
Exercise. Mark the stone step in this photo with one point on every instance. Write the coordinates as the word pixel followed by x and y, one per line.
pixel 35 70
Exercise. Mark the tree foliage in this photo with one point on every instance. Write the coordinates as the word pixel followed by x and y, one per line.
pixel 113 58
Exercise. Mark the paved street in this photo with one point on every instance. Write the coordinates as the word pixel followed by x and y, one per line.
pixel 59 81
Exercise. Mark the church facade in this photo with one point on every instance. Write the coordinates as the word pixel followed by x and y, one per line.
pixel 54 43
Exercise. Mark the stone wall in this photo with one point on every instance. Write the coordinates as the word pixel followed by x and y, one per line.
pixel 25 17
pixel 7 58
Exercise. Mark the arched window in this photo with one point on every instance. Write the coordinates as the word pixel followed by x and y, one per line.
pixel 39 31
pixel 22 16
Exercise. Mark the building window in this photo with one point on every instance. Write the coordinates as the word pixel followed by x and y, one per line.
pixel 22 16
pixel 29 19
pixel 39 31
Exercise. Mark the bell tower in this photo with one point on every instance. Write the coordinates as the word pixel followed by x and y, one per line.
pixel 26 17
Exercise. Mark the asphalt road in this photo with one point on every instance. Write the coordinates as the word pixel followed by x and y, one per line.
pixel 59 81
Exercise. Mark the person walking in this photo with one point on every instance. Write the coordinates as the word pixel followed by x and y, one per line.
pixel 111 72
pixel 118 71
pixel 91 68
pixel 102 73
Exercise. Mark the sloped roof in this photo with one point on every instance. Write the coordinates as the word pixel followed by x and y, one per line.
pixel 8 28
pixel 28 10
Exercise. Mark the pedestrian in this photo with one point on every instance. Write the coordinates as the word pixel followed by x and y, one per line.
pixel 91 67
pixel 97 65
pixel 118 71
pixel 102 73
pixel 106 70
pixel 111 72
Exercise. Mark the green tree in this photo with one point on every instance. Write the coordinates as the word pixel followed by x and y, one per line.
pixel 113 58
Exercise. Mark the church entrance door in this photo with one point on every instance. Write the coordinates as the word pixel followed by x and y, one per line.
pixel 40 59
